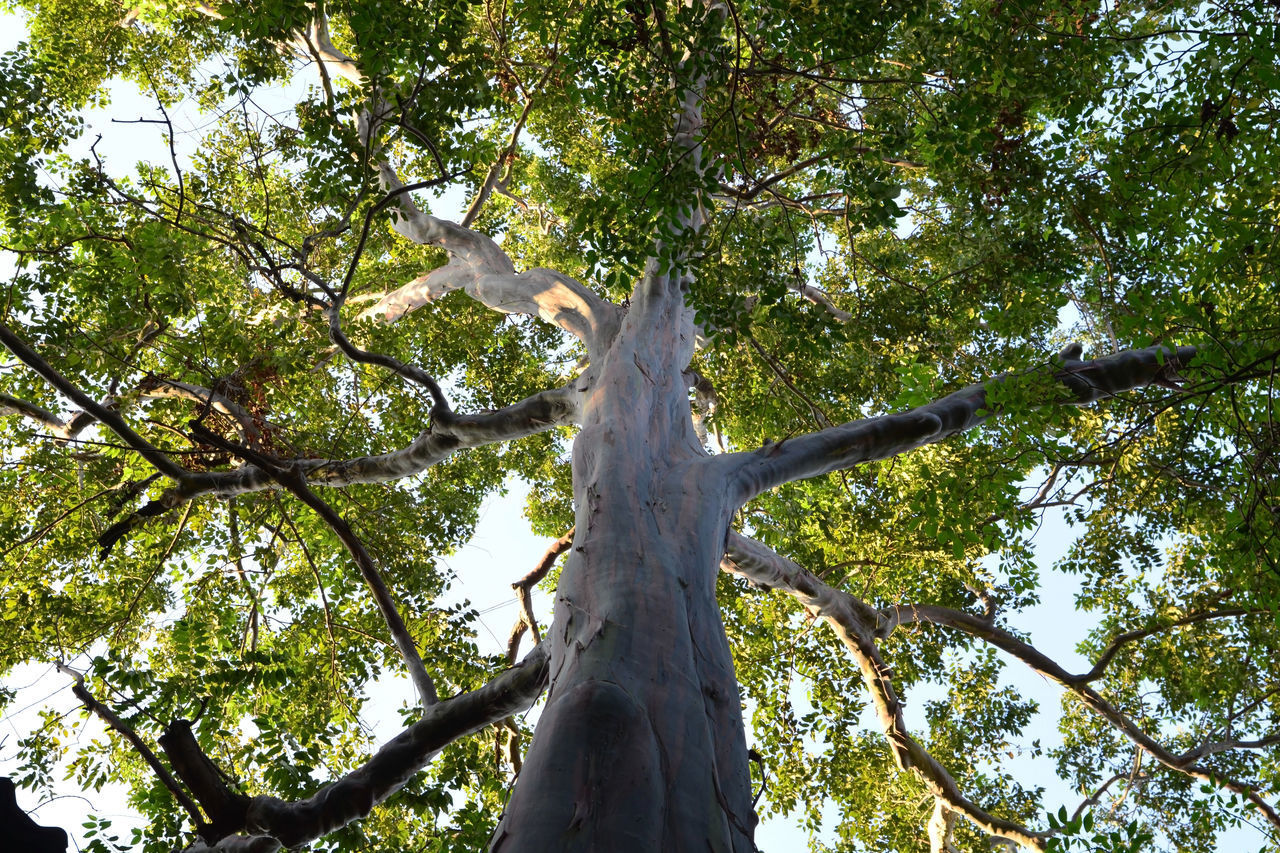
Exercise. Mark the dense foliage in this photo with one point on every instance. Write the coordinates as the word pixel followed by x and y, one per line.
pixel 903 198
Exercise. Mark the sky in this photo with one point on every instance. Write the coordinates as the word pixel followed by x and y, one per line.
pixel 502 551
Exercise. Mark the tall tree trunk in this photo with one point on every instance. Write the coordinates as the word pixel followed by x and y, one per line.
pixel 641 744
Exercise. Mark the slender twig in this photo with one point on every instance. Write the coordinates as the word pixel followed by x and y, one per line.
pixel 105 415
pixel 237 558
pixel 781 372
pixel 441 408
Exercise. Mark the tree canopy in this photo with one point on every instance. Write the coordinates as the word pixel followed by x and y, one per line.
pixel 928 279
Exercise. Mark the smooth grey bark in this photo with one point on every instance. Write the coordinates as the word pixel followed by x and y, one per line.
pixel 641 746
pixel 536 413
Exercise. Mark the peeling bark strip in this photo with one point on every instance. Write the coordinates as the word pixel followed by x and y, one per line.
pixel 268 824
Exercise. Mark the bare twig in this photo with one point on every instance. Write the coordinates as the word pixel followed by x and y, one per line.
pixel 524 594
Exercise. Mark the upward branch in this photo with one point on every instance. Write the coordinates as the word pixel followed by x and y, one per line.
pixel 478 266
pixel 886 436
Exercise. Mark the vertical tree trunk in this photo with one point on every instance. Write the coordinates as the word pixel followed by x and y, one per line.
pixel 641 744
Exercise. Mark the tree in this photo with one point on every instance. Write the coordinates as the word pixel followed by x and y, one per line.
pixel 722 268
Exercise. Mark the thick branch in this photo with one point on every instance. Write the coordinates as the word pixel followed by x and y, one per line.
pixel 890 435
pixel 271 823
pixel 225 806
pixel 156 389
pixel 10 405
pixel 150 389
pixel 315 41
pixel 940 827
pixel 478 266
pixel 538 413
pixel 818 296
pixel 476 263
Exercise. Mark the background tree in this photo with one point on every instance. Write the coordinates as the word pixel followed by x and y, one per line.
pixel 711 252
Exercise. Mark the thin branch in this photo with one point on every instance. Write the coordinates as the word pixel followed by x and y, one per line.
pixel 106 416
pixel 237 557
pixel 895 616
pixel 857 624
pixel 524 594
pixel 781 372
pixel 109 717
pixel 506 158
pixel 1096 797
pixel 1124 639
pixel 292 479
pixel 749 193
pixel 441 407
pixel 853 622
